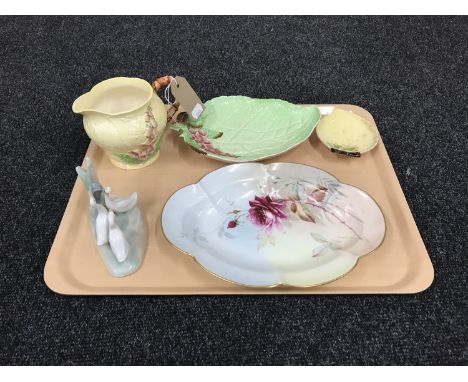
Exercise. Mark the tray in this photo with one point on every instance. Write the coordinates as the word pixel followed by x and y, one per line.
pixel 400 265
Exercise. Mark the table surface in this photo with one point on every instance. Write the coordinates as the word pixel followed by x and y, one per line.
pixel 409 72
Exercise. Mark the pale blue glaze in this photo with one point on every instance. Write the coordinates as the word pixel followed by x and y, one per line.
pixel 131 223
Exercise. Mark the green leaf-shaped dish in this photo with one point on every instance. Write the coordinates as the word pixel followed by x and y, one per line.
pixel 243 129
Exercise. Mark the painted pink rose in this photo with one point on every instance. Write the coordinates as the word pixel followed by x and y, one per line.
pixel 267 212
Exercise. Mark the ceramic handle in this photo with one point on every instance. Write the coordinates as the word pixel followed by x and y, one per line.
pixel 161 82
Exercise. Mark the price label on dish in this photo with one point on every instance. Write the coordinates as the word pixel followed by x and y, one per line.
pixel 186 96
pixel 346 153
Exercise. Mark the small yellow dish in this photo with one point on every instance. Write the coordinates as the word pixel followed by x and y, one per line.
pixel 346 133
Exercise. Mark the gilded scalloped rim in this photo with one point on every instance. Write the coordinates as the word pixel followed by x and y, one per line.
pixel 277 284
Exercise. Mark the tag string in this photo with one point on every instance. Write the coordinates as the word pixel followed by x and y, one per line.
pixel 167 91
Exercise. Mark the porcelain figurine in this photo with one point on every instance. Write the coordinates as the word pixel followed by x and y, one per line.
pixel 126 118
pixel 117 225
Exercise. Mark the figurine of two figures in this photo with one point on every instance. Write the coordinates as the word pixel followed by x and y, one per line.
pixel 117 224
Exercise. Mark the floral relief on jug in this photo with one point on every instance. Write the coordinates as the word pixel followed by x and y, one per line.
pixel 126 118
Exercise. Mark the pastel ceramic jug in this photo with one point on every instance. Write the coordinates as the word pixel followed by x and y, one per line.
pixel 126 118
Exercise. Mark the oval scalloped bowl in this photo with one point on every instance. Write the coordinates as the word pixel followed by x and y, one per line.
pixel 279 224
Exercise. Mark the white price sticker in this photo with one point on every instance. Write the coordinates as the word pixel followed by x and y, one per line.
pixel 197 110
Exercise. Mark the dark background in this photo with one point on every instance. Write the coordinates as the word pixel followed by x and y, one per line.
pixel 409 72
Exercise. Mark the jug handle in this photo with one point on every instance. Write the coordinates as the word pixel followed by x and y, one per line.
pixel 173 109
pixel 161 82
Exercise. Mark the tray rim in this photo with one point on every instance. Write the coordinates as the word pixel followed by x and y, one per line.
pixel 418 284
